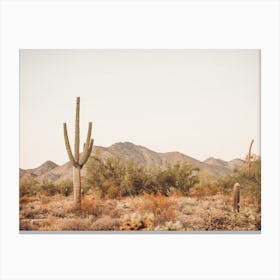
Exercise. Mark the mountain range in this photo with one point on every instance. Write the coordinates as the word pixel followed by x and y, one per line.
pixel 142 155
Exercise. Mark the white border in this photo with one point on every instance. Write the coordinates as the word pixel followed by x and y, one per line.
pixel 139 24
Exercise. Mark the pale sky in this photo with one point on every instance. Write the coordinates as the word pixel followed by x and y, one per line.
pixel 203 103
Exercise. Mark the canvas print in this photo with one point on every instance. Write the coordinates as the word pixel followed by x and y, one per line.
pixel 140 140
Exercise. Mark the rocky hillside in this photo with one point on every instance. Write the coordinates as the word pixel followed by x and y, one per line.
pixel 38 171
pixel 141 155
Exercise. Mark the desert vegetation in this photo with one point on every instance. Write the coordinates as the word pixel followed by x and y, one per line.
pixel 118 193
pixel 121 195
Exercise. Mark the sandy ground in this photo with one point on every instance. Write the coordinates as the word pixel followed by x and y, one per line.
pixel 146 213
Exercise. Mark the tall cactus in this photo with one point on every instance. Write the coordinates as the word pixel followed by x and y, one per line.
pixel 248 165
pixel 77 160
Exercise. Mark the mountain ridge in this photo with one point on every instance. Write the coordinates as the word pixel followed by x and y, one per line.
pixel 142 155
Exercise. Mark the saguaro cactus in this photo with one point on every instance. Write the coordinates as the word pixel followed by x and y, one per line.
pixel 77 160
pixel 236 197
pixel 248 165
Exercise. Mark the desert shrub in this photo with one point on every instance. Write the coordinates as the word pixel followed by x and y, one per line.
pixel 174 192
pixel 105 223
pixel 161 206
pixel 115 178
pixel 64 187
pixel 91 207
pixel 139 179
pixel 248 219
pixel 113 192
pixel 72 224
pixel 250 184
pixel 248 181
pixel 203 190
pixel 181 176
pixel 32 186
pixel 48 187
pixel 28 186
pixel 104 174
pixel 207 186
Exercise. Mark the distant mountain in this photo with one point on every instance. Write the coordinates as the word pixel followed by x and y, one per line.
pixel 232 164
pixel 38 171
pixel 22 172
pixel 141 155
pixel 216 162
pixel 236 164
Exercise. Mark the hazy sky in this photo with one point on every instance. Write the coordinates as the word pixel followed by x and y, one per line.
pixel 199 102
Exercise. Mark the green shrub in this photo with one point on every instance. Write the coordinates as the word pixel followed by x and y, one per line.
pixel 48 188
pixel 115 177
pixel 104 174
pixel 250 184
pixel 28 186
pixel 64 187
pixel 180 176
pixel 32 186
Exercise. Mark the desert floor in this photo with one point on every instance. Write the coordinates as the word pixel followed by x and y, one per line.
pixel 142 213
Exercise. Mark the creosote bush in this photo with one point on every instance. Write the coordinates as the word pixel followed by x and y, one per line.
pixel 30 186
pixel 250 184
pixel 115 178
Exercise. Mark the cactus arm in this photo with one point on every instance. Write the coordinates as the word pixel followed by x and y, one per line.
pixel 68 147
pixel 89 134
pixel 250 149
pixel 86 154
pixel 87 144
pixel 77 130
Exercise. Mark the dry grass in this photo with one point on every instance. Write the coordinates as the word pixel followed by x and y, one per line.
pixel 163 207
pixel 201 192
pixel 147 212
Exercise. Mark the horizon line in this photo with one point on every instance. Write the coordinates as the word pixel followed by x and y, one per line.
pixel 128 142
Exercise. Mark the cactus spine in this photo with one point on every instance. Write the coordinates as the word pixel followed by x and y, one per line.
pixel 78 161
pixel 249 158
pixel 236 197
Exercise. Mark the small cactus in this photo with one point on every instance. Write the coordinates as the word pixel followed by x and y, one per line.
pixel 236 197
pixel 170 226
pixel 136 221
